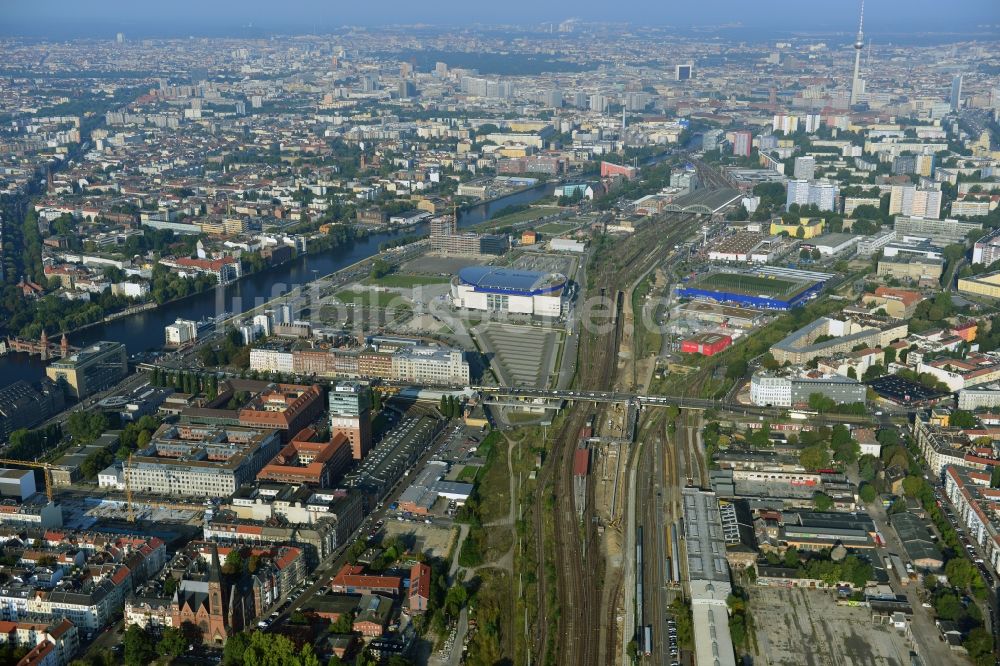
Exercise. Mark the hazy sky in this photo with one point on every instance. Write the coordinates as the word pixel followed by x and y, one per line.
pixel 100 18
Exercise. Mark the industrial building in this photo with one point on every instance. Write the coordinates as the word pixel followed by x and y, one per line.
pixel 707 344
pixel 508 291
pixel 708 572
pixel 777 391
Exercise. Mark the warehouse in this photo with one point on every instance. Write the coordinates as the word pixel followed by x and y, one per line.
pixel 504 290
pixel 707 344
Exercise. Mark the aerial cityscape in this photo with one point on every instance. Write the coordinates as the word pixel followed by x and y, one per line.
pixel 430 335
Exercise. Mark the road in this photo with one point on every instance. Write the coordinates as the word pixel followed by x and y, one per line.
pixel 329 566
pixel 923 629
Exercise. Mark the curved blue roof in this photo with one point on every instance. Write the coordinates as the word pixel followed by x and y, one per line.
pixel 505 280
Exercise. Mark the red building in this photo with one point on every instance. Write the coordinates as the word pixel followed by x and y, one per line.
pixel 351 580
pixel 303 460
pixel 420 587
pixel 581 462
pixel 707 344
pixel 609 170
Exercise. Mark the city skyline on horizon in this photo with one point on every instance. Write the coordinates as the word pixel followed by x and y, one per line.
pixel 890 18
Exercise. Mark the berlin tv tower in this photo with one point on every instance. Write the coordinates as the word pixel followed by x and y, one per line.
pixel 857 83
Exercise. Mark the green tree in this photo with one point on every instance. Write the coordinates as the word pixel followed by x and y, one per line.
pixel 791 557
pixel 138 646
pixel 961 418
pixel 948 607
pixel 236 646
pixel 344 624
pixel 815 457
pixel 867 493
pixel 380 268
pixel 171 643
pixel 979 644
pixel 822 502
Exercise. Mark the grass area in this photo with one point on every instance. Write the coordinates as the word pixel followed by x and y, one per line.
pixel 646 335
pixel 468 473
pixel 380 299
pixel 523 417
pixel 406 281
pixel 555 228
pixel 492 606
pixel 532 213
pixel 494 483
pixel 750 285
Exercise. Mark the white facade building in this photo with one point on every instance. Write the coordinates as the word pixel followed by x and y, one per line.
pixel 181 332
pixel 271 360
pixel 430 365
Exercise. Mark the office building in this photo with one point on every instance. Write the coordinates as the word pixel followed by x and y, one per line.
pixel 805 168
pixel 23 405
pixel 431 365
pixel 17 483
pixel 200 461
pixel 911 267
pixel 407 89
pixel 790 391
pixel 350 415
pixel 956 92
pixel 742 143
pixel 307 461
pixel 94 368
pixel 684 72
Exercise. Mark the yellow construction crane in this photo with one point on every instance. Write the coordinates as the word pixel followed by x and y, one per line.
pixel 28 463
pixel 126 468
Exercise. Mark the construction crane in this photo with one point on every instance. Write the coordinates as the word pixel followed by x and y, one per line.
pixel 28 463
pixel 130 513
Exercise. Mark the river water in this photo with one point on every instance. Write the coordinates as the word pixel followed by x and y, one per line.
pixel 144 330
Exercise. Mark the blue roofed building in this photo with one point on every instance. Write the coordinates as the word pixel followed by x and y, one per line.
pixel 505 290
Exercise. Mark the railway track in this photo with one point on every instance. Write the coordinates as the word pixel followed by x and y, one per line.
pixel 577 555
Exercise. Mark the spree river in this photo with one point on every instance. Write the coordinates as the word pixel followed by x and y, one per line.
pixel 144 330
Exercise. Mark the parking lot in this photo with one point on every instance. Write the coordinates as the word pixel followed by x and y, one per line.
pixel 546 263
pixel 797 627
pixel 520 355
pixel 431 540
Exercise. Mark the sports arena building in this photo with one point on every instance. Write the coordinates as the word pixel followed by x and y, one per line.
pixel 505 290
